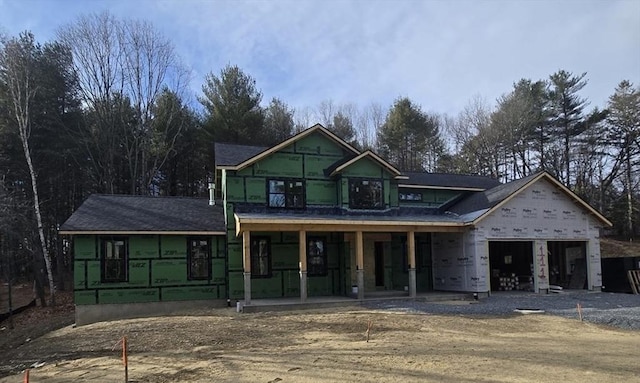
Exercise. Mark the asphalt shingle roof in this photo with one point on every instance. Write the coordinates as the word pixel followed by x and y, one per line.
pixel 491 197
pixel 234 154
pixel 450 180
pixel 141 213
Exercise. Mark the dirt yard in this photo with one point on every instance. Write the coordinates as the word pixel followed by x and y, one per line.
pixel 327 346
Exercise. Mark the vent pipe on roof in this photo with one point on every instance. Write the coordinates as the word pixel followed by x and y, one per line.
pixel 212 189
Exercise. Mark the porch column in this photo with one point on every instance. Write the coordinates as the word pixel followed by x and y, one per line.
pixel 411 242
pixel 302 254
pixel 360 264
pixel 246 263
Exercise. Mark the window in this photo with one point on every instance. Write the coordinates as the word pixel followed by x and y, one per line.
pixel 286 193
pixel 365 194
pixel 198 258
pixel 316 257
pixel 114 259
pixel 260 257
pixel 411 197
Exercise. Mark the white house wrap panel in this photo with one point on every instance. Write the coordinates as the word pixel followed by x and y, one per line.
pixel 542 212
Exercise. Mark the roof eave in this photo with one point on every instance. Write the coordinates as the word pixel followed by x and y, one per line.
pixel 461 188
pixel 141 232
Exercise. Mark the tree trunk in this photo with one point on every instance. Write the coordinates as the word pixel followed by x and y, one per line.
pixel 36 203
pixel 629 197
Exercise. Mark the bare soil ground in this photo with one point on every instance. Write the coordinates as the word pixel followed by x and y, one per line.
pixel 326 346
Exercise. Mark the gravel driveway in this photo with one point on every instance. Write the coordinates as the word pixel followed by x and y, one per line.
pixel 613 309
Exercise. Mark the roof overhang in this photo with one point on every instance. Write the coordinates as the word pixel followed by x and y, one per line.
pixel 134 232
pixel 295 224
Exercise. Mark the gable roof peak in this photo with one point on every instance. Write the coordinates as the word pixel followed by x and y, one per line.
pixel 488 201
pixel 267 151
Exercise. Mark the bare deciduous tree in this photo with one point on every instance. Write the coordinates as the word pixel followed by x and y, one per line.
pixel 123 67
pixel 18 73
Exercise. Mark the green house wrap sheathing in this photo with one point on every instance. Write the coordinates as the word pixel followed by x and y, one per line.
pixel 321 193
pixel 156 271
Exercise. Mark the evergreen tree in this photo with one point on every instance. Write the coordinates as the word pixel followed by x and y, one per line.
pixel 410 138
pixel 232 107
pixel 278 122
pixel 566 118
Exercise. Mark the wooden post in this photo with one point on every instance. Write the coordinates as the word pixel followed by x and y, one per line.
pixel 360 263
pixel 125 360
pixel 302 255
pixel 246 264
pixel 26 376
pixel 10 301
pixel 411 244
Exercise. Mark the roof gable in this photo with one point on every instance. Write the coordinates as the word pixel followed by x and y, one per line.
pixel 367 155
pixel 492 199
pixel 319 129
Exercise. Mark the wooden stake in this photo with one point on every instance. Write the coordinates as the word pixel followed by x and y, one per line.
pixel 579 307
pixel 124 359
pixel 369 325
pixel 26 376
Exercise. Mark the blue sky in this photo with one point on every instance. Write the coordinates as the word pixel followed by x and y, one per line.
pixel 438 53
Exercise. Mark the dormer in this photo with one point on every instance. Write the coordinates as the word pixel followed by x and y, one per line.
pixel 365 182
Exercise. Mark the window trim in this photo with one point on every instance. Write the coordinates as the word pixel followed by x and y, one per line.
pixel 352 181
pixel 124 260
pixel 254 241
pixel 190 276
pixel 325 266
pixel 287 192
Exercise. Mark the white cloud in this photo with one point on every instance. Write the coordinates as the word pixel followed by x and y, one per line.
pixel 438 53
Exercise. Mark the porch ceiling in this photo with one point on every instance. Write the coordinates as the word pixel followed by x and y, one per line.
pixel 276 222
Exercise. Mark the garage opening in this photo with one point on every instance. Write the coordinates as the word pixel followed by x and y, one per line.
pixel 511 265
pixel 568 264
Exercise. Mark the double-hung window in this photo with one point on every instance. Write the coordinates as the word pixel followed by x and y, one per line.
pixel 287 193
pixel 366 194
pixel 198 258
pixel 114 260
pixel 260 257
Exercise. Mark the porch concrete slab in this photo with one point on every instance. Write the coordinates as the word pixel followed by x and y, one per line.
pixel 285 304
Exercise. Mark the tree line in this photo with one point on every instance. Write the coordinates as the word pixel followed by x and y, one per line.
pixel 105 108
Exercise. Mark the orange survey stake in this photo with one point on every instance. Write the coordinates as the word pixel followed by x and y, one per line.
pixel 124 350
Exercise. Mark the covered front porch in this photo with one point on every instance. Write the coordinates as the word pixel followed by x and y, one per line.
pixel 364 238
